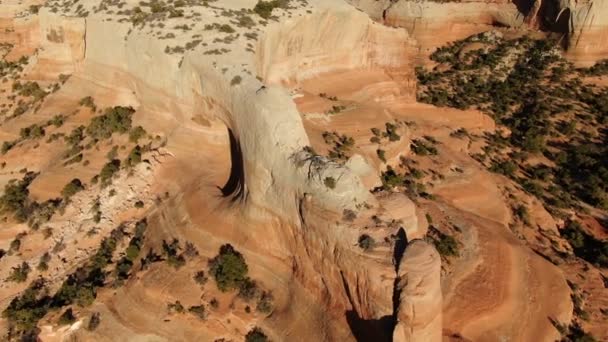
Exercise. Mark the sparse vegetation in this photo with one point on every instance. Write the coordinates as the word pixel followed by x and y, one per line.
pixel 527 86
pixel 585 245
pixel 341 145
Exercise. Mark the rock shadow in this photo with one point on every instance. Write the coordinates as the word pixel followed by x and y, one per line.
pixel 235 187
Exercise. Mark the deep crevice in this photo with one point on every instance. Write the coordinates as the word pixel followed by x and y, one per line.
pixel 367 330
pixel 235 187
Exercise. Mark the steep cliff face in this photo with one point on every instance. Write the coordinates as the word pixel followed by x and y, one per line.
pixel 433 23
pixel 587 31
pixel 581 25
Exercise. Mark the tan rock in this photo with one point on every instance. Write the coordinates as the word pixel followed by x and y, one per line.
pixel 420 300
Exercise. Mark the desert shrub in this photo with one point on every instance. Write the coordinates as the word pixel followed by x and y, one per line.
pixel 29 89
pixel 19 274
pixel 7 146
pixel 134 156
pixel 391 179
pixel 330 182
pixel 504 167
pixel 200 277
pixel 381 155
pixel 248 289
pixel 176 307
pixel 521 211
pixel 67 317
pixel 73 187
pixel 264 8
pixel 88 102
pixel 391 132
pixel 366 242
pixel 349 215
pixel 125 264
pixel 341 145
pixel 256 335
pixel 113 153
pixel 265 303
pixel 199 311
pixel 108 171
pixel 171 254
pixel 228 268
pixel 57 120
pixel 76 136
pixel 137 133
pixel 423 148
pixel 236 80
pixel 114 120
pixel 446 245
pixel 32 132
pixel 43 264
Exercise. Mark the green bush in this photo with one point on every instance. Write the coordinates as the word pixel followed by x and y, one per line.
pixel 108 171
pixel 264 8
pixel 330 182
pixel 366 242
pixel 43 264
pixel 32 132
pixel 25 310
pixel 114 120
pixel 137 133
pixel 199 311
pixel 256 335
pixel 19 274
pixel 87 102
pixel 446 245
pixel 73 187
pixel 176 307
pixel 265 303
pixel 200 277
pixel 134 156
pixel 171 253
pixel 248 289
pixel 228 268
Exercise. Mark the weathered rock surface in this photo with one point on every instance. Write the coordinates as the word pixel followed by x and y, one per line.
pixel 420 301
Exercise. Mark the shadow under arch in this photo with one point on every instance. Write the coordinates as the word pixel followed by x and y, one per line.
pixel 235 187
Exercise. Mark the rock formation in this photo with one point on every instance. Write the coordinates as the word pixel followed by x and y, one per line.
pixel 232 161
pixel 419 289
